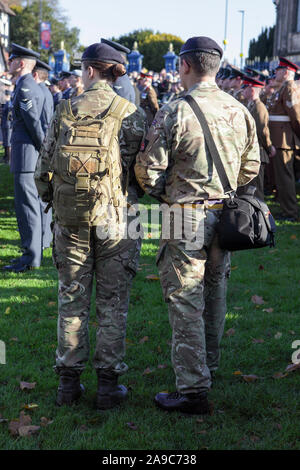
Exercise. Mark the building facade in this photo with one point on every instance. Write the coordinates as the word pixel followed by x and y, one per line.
pixel 5 13
pixel 287 29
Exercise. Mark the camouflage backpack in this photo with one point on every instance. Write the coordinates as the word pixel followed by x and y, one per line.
pixel 87 172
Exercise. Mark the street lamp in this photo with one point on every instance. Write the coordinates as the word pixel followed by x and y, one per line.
pixel 242 37
pixel 225 42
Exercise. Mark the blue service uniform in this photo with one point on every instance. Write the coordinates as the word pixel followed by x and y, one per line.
pixel 26 140
pixel 66 93
pixel 46 116
pixel 124 88
pixel 57 98
pixel 6 127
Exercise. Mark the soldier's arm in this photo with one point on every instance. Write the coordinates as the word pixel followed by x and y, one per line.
pixel 132 133
pixel 43 171
pixel 31 116
pixel 291 104
pixel 250 159
pixel 152 98
pixel 262 124
pixel 153 159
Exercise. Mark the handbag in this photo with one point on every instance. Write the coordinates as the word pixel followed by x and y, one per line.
pixel 245 222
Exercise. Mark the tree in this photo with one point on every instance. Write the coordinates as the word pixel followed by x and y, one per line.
pixel 24 27
pixel 262 46
pixel 152 45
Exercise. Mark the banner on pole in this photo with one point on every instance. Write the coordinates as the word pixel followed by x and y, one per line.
pixel 45 35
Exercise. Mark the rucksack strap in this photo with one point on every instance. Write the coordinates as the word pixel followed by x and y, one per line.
pixel 210 144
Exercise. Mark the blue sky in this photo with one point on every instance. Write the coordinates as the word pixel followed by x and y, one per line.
pixel 185 18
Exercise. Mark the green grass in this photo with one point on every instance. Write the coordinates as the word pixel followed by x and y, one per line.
pixel 259 415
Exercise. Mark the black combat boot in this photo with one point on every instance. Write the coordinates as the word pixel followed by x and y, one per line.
pixel 69 389
pixel 194 403
pixel 109 393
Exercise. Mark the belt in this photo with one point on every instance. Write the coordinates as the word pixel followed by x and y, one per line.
pixel 209 204
pixel 278 118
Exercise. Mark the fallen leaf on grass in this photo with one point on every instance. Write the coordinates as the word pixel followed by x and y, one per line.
pixel 237 372
pixel 268 310
pixel 292 367
pixel 148 371
pixel 238 308
pixel 200 420
pixel 292 332
pixel 162 366
pixel 258 341
pixel 250 378
pixel 30 406
pixel 15 424
pixel 233 268
pixel 159 349
pixel 293 237
pixel 278 335
pixel 51 304
pixel 45 421
pixel 152 277
pixel 202 432
pixel 230 332
pixel 278 426
pixel 144 340
pixel 256 299
pixel 7 311
pixel 261 267
pixel 279 375
pixel 132 426
pixel 14 339
pixel 25 431
pixel 254 438
pixel 27 385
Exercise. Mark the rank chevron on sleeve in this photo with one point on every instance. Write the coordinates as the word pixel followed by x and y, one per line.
pixel 26 106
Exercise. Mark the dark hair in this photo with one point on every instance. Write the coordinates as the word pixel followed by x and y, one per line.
pixel 202 63
pixel 106 71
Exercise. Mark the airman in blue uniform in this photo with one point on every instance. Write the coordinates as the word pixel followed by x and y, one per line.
pixel 26 140
pixel 40 74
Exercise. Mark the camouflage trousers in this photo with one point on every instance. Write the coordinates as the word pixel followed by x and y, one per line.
pixel 113 264
pixel 194 284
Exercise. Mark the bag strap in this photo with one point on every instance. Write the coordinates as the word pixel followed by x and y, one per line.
pixel 210 144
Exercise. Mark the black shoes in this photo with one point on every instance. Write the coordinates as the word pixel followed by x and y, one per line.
pixel 109 393
pixel 70 389
pixel 18 268
pixel 193 403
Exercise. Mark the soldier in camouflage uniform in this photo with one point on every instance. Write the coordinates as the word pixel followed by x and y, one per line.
pixel 176 168
pixel 88 234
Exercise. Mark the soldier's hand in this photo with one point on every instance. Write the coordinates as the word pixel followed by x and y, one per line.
pixel 272 152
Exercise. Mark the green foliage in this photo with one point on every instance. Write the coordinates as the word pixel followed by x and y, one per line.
pixel 152 45
pixel 24 27
pixel 262 46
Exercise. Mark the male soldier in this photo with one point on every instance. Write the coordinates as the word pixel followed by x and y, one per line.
pixel 284 111
pixel 6 119
pixel 56 93
pixel 122 86
pixel 40 74
pixel 76 83
pixel 64 84
pixel 79 167
pixel 236 80
pixel 148 98
pixel 27 138
pixel 261 117
pixel 176 168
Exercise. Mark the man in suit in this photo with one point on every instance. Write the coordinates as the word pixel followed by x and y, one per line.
pixel 40 74
pixel 27 138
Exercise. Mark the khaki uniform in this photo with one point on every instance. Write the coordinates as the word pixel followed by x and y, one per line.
pixel 113 260
pixel 284 111
pixel 261 118
pixel 176 168
pixel 149 103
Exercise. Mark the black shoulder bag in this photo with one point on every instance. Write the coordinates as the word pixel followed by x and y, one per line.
pixel 246 222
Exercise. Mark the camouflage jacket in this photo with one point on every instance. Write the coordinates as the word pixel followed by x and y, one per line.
pixel 175 166
pixel 94 101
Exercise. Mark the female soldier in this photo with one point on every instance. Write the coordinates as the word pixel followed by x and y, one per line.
pixel 84 169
